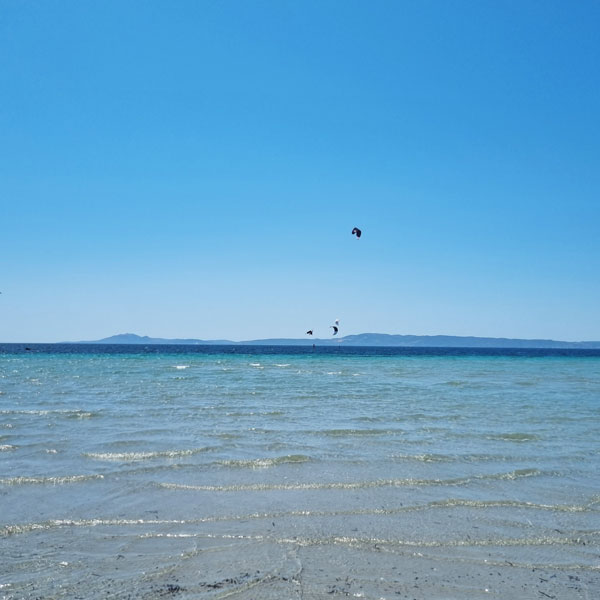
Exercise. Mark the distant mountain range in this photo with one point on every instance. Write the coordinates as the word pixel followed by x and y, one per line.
pixel 362 339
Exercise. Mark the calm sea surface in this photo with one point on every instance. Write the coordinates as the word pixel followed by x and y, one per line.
pixel 261 472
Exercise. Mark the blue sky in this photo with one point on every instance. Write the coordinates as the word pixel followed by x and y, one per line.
pixel 194 169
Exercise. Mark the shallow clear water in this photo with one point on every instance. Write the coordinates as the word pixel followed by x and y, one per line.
pixel 275 474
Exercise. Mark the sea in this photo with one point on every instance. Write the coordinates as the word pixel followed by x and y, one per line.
pixel 295 472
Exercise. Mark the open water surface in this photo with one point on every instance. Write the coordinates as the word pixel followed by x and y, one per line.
pixel 258 472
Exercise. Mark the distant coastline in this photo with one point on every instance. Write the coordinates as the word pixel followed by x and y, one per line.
pixel 362 339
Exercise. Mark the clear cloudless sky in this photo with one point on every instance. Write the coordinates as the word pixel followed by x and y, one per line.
pixel 195 168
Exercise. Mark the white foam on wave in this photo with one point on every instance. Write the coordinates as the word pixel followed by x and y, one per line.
pixel 423 457
pixel 48 480
pixel 135 456
pixel 75 413
pixel 263 463
pixel 182 366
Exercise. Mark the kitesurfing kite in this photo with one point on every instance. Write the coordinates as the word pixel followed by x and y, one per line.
pixel 309 332
pixel 335 329
pixel 356 231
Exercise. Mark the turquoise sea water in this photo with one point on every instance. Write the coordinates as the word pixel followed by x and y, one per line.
pixel 282 473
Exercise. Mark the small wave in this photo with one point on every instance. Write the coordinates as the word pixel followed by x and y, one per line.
pixel 228 435
pixel 370 419
pixel 7 447
pixel 182 366
pixel 357 432
pixel 514 437
pixel 353 485
pixel 48 480
pixel 475 458
pixel 67 413
pixel 457 502
pixel 516 474
pixel 424 457
pixel 251 413
pixel 262 463
pixel 13 529
pixel 427 417
pixel 135 456
pixel 54 523
pixel 491 542
pixel 282 365
pixel 81 414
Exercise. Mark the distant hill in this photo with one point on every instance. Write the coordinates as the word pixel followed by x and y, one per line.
pixel 362 339
pixel 132 338
pixel 451 341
